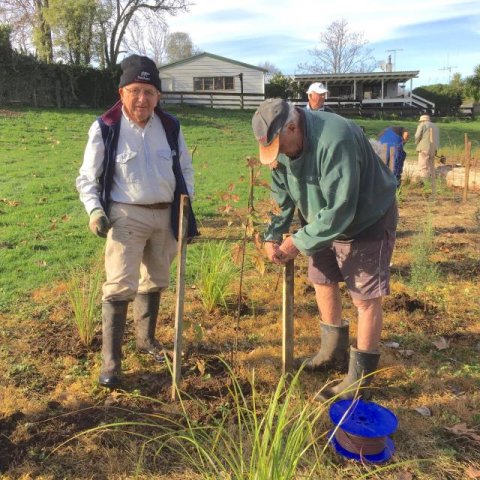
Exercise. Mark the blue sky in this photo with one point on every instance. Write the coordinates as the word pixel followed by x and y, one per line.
pixel 438 37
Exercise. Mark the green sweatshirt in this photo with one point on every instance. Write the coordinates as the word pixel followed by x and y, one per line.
pixel 339 184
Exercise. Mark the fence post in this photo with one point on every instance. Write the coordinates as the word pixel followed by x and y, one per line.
pixel 180 296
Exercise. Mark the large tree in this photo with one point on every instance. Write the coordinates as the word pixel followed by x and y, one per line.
pixel 72 22
pixel 271 70
pixel 179 46
pixel 472 84
pixel 116 15
pixel 42 33
pixel 340 51
pixel 147 35
pixel 30 29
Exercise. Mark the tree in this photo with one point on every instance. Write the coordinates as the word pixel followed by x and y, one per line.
pixel 472 84
pixel 271 70
pixel 447 98
pixel 42 33
pixel 147 35
pixel 115 15
pixel 19 15
pixel 342 51
pixel 179 46
pixel 72 23
pixel 281 86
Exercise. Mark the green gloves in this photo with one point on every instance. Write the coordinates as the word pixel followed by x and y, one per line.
pixel 99 223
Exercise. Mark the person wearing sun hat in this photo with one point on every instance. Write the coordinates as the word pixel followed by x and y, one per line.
pixel 317 94
pixel 324 165
pixel 136 166
pixel 427 139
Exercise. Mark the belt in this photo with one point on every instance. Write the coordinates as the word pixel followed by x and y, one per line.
pixel 155 206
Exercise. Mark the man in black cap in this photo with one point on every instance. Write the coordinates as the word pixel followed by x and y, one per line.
pixel 324 165
pixel 136 165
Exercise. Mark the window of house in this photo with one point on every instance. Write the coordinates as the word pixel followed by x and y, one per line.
pixel 212 83
pixel 340 91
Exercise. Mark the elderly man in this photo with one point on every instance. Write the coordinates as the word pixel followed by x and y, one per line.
pixel 316 94
pixel 136 165
pixel 324 165
pixel 427 139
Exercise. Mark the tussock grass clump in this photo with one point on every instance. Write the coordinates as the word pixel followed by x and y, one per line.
pixel 424 273
pixel 213 273
pixel 83 288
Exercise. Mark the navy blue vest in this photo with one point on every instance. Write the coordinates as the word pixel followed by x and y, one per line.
pixel 110 126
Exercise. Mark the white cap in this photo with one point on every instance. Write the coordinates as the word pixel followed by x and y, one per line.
pixel 317 87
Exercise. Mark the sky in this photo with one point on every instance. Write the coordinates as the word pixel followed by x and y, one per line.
pixel 436 37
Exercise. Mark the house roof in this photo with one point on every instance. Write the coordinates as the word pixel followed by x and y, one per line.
pixel 335 78
pixel 211 55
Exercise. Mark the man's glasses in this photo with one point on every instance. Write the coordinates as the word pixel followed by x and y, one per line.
pixel 137 92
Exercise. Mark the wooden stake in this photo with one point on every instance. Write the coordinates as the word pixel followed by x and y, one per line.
pixel 180 294
pixel 434 173
pixel 287 317
pixel 468 149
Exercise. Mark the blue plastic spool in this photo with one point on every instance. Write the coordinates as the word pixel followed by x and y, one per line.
pixel 364 419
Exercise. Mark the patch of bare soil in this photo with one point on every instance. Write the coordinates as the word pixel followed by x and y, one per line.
pixel 430 358
pixel 9 113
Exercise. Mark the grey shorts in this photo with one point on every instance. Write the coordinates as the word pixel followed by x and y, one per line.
pixel 363 263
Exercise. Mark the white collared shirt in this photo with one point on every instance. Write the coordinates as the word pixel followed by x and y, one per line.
pixel 143 165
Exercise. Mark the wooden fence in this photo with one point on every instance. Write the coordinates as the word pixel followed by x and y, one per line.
pixel 247 101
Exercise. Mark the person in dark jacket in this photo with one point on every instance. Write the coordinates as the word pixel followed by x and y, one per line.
pixel 395 138
pixel 136 164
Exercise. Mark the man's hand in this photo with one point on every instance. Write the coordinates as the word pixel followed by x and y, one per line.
pixel 286 251
pixel 99 223
pixel 270 250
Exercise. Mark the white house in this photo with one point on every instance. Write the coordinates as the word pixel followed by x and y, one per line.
pixel 211 80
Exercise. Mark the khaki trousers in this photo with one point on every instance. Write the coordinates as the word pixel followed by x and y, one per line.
pixel 426 164
pixel 139 251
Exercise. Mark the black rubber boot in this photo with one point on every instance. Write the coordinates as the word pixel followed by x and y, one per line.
pixel 360 369
pixel 333 353
pixel 145 313
pixel 114 316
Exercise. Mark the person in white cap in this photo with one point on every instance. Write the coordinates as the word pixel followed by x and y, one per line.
pixel 317 93
pixel 427 139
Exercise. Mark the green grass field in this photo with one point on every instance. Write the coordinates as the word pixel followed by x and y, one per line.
pixel 43 224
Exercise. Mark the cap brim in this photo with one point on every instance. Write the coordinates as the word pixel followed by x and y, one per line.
pixel 269 153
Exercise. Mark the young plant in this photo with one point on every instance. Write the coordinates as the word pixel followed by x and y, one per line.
pixel 214 272
pixel 83 289
pixel 424 274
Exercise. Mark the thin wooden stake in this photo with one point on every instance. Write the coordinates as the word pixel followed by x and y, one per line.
pixel 287 317
pixel 434 173
pixel 468 149
pixel 180 294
